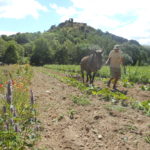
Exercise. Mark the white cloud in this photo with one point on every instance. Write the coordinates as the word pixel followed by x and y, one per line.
pixel 7 32
pixel 20 8
pixel 129 18
pixel 65 13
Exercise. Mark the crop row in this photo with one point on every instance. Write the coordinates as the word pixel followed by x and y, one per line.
pixel 136 74
pixel 106 94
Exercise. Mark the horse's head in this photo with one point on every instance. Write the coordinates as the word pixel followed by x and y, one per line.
pixel 99 52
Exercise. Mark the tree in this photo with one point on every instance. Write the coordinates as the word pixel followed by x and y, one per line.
pixel 21 38
pixel 6 38
pixel 3 46
pixel 61 55
pixel 28 49
pixel 41 53
pixel 80 51
pixel 133 51
pixel 127 59
pixel 11 55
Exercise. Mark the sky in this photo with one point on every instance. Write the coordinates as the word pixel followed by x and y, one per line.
pixel 129 18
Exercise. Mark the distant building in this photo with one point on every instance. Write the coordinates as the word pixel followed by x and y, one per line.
pixel 70 23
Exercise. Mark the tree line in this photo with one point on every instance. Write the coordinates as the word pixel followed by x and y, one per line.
pixel 67 44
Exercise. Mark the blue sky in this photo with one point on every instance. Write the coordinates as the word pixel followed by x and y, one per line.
pixel 129 19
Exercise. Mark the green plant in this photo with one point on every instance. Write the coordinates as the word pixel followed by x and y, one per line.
pixel 147 139
pixel 144 106
pixel 82 100
pixel 71 113
pixel 127 84
pixel 60 117
pixel 115 107
pixel 145 87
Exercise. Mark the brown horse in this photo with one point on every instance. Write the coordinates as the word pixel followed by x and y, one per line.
pixel 91 64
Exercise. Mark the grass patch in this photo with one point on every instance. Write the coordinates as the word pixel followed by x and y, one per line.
pixel 115 107
pixel 147 139
pixel 71 113
pixel 81 100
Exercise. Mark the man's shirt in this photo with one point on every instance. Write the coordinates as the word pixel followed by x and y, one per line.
pixel 115 58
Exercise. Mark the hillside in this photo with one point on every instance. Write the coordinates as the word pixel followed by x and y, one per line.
pixel 87 29
pixel 67 43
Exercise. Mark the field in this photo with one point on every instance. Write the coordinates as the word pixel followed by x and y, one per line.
pixel 68 115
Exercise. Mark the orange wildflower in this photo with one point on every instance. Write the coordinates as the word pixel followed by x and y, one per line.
pixel 1 85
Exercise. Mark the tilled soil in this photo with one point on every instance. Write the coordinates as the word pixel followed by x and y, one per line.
pixel 97 126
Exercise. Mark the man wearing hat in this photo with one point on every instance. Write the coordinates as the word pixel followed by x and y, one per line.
pixel 115 60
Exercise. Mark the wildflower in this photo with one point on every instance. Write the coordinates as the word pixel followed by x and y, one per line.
pixel 1 85
pixel 37 128
pixel 9 87
pixel 9 92
pixel 16 128
pixel 11 121
pixel 13 82
pixel 9 99
pixel 12 108
pixel 4 109
pixel 33 119
pixel 14 112
pixel 31 97
pixel 7 126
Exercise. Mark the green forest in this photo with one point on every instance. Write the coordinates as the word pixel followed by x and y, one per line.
pixel 67 43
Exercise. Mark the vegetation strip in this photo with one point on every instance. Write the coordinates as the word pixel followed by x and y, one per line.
pixel 134 74
pixel 18 122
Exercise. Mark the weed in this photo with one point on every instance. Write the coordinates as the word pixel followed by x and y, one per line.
pixel 60 117
pixel 147 139
pixel 71 113
pixel 114 107
pixel 82 100
pixel 145 87
pixel 126 83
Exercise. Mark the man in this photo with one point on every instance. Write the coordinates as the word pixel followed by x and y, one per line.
pixel 115 60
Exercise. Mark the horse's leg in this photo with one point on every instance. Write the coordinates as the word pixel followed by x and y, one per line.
pixel 90 78
pixel 93 76
pixel 87 77
pixel 82 72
